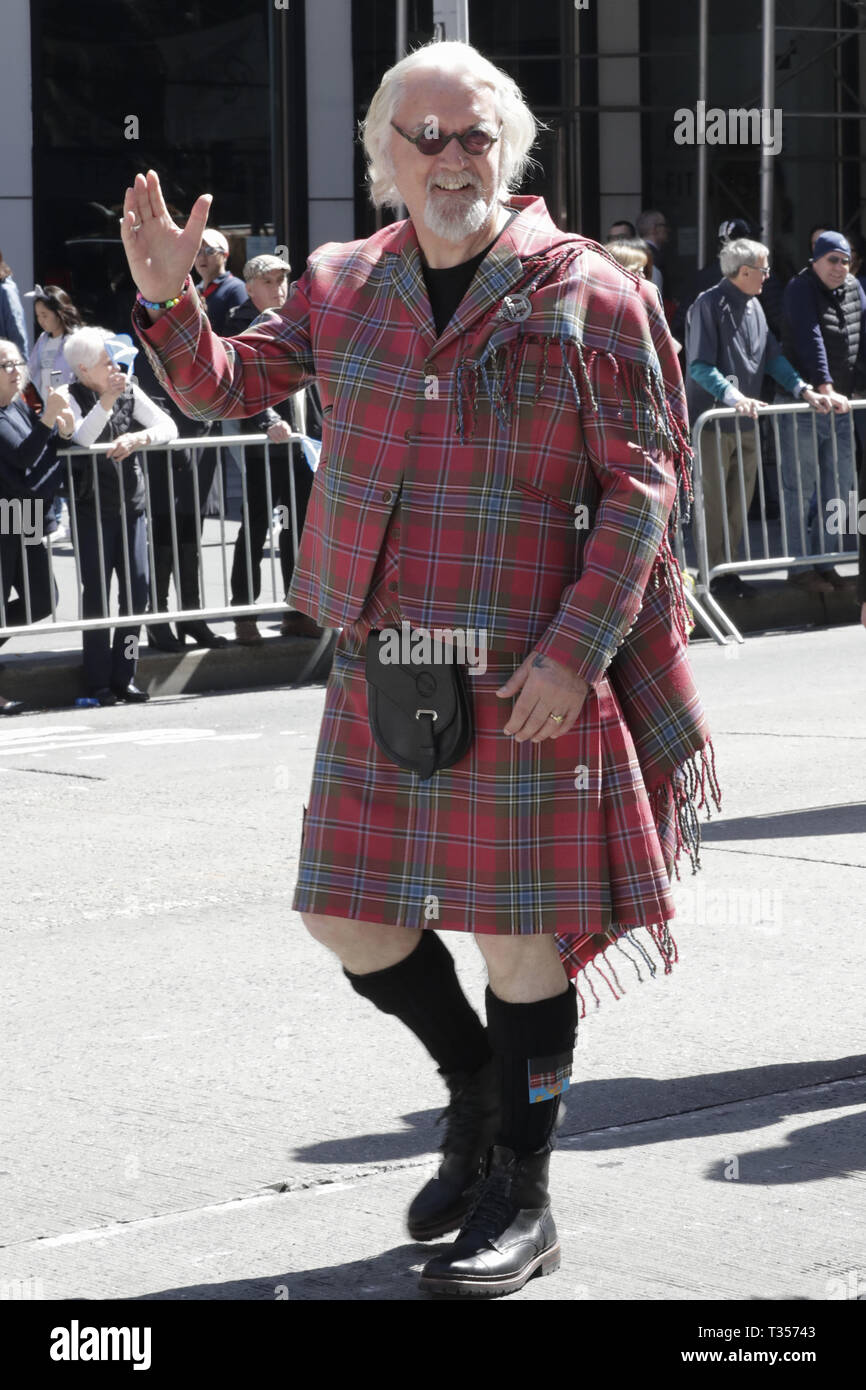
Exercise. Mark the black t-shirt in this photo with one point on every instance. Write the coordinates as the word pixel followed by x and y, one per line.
pixel 446 288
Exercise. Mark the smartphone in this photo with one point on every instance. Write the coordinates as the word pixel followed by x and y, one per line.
pixel 55 378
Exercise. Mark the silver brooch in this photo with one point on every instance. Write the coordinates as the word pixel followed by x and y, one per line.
pixel 516 307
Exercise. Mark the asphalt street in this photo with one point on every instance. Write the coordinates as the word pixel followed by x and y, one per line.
pixel 196 1105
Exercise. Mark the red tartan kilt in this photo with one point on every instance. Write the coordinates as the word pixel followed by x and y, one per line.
pixel 503 842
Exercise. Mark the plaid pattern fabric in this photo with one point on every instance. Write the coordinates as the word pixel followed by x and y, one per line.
pixel 504 842
pixel 548 1076
pixel 536 468
pixel 499 436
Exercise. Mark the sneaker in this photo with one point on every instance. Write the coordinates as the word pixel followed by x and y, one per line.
pixel 838 581
pixel 296 624
pixel 811 581
pixel 247 632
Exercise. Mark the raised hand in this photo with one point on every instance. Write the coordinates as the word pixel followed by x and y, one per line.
pixel 56 402
pixel 159 253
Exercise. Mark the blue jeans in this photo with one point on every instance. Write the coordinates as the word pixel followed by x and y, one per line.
pixel 815 470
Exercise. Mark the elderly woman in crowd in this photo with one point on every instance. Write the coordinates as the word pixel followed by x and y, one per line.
pixel 29 473
pixel 110 503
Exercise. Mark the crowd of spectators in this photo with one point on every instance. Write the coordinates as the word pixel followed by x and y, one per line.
pixel 748 335
pixel 751 337
pixel 68 388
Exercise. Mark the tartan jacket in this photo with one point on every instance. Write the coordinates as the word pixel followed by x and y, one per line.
pixel 537 450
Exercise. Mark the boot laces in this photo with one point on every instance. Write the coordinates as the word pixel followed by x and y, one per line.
pixel 492 1208
pixel 463 1118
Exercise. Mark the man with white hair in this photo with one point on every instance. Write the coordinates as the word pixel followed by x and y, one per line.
pixel 727 337
pixel 503 438
pixel 110 508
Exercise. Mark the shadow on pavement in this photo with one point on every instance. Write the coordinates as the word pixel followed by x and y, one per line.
pixel 845 818
pixel 388 1276
pixel 630 1102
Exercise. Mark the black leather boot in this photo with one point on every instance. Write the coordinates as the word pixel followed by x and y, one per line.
pixel 507 1236
pixel 160 635
pixel 197 629
pixel 471 1117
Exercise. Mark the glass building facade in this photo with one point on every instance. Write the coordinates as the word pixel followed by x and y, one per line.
pixel 221 101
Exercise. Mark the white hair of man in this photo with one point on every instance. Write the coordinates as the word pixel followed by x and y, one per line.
pixel 84 347
pixel 735 254
pixel 519 126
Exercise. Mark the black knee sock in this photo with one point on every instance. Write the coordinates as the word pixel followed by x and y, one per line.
pixel 534 1048
pixel 424 993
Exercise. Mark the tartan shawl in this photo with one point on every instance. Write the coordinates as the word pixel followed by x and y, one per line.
pixel 600 339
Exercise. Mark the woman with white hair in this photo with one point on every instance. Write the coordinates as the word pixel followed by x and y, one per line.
pixel 504 433
pixel 30 473
pixel 110 496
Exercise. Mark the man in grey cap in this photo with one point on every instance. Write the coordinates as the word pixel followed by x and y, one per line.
pixel 266 281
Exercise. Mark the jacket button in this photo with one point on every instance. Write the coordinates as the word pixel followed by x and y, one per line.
pixel 407 435
pixel 392 585
pixel 387 496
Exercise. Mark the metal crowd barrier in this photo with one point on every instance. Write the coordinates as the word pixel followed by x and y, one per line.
pixel 774 551
pixel 706 608
pixel 58 563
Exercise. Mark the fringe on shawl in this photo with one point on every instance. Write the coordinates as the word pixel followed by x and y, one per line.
pixel 696 773
pixel 679 789
pixel 640 387
pixel 660 937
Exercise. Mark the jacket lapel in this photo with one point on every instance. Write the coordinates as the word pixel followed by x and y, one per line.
pixel 529 236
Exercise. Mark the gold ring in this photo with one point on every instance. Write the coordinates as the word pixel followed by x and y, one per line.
pixel 558 717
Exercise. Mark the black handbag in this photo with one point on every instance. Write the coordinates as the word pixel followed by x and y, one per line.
pixel 420 713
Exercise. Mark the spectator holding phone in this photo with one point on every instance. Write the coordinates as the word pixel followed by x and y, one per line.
pixel 111 506
pixel 57 316
pixel 29 472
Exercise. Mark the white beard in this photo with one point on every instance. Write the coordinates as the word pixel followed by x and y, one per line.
pixel 459 222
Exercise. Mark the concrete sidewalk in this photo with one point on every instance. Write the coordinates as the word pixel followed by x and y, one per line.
pixel 197 1106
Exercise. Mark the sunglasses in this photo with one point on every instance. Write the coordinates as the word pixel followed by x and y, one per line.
pixel 473 141
pixel 209 250
pixel 838 260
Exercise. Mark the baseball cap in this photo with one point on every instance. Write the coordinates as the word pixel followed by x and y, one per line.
pixel 830 241
pixel 215 239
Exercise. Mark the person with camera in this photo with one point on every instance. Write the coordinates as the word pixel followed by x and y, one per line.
pixel 110 505
pixel 30 473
